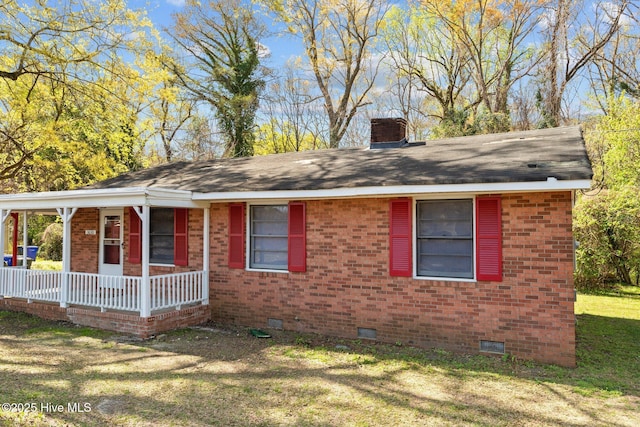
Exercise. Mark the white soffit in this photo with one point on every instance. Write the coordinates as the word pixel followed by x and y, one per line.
pixel 99 198
pixel 551 184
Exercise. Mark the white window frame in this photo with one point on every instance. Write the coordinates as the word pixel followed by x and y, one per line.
pixel 249 238
pixel 445 197
pixel 156 261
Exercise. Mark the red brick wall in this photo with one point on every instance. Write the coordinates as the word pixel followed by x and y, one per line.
pixel 142 327
pixel 49 311
pixel 125 323
pixel 84 247
pixel 347 285
pixel 388 130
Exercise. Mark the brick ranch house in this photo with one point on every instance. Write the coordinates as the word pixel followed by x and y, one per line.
pixel 464 244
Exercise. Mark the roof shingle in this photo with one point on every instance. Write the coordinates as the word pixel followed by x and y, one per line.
pixel 527 156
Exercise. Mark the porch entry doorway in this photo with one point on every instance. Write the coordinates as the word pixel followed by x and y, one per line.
pixel 110 242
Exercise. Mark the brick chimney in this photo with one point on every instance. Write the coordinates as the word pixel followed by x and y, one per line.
pixel 388 130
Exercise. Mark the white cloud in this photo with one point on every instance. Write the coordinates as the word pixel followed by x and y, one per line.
pixel 177 3
pixel 263 51
pixel 611 10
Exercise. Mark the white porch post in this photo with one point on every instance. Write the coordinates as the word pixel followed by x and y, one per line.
pixel 4 214
pixel 66 214
pixel 25 240
pixel 145 286
pixel 205 259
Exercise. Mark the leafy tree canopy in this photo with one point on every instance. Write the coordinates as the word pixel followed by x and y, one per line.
pixel 71 91
pixel 607 220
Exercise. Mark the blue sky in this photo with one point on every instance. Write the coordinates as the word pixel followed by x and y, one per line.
pixel 160 11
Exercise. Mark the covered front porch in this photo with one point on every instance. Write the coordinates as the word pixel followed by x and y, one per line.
pixel 97 274
pixel 122 293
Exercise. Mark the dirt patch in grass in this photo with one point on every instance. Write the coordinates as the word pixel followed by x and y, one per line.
pixel 221 375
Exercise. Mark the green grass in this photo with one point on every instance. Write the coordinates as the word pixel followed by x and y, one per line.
pixel 46 265
pixel 608 333
pixel 623 302
pixel 226 377
pixel 66 330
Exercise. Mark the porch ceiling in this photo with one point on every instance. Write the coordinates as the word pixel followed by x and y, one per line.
pixel 47 202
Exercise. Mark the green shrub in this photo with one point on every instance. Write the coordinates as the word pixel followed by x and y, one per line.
pixel 607 227
pixel 51 246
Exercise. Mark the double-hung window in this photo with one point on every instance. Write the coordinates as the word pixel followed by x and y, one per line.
pixel 161 236
pixel 448 239
pixel 445 238
pixel 269 237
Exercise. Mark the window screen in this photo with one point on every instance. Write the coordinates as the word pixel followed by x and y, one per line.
pixel 269 237
pixel 445 238
pixel 161 236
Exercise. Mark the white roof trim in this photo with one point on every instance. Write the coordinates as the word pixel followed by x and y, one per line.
pixel 551 184
pixel 101 198
pixel 143 196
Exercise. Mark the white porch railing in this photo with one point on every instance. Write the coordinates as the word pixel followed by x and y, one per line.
pixel 43 285
pixel 94 290
pixel 30 284
pixel 12 281
pixel 174 290
pixel 101 291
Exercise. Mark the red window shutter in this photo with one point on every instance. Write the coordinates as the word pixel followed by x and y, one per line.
pixel 297 237
pixel 135 237
pixel 236 235
pixel 181 236
pixel 488 239
pixel 400 255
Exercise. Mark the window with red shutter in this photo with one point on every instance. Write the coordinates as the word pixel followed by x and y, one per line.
pixel 168 236
pixel 135 237
pixel 400 248
pixel 180 237
pixel 444 233
pixel 297 237
pixel 488 238
pixel 236 235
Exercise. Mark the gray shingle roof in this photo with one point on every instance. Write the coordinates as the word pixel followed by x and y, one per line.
pixel 528 156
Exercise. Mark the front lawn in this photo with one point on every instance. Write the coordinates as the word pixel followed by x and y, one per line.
pixel 60 374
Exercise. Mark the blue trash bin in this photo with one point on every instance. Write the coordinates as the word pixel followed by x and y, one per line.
pixel 32 252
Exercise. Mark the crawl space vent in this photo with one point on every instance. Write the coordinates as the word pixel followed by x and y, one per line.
pixel 274 323
pixel 367 333
pixel 492 346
